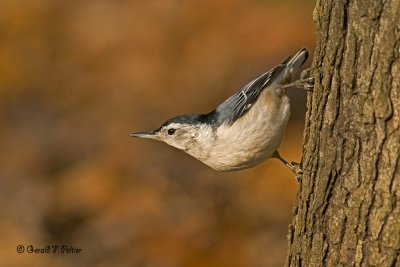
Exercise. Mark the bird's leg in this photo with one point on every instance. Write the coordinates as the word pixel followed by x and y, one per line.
pixel 305 82
pixel 293 166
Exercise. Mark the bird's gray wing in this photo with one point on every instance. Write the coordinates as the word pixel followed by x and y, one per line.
pixel 248 95
pixel 239 103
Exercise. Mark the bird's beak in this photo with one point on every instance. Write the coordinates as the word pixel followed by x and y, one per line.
pixel 148 135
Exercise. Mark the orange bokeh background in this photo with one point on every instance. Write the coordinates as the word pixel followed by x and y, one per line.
pixel 78 76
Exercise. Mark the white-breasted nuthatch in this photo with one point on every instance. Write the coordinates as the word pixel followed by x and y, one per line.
pixel 244 130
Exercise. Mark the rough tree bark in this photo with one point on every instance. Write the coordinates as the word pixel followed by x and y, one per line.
pixel 348 205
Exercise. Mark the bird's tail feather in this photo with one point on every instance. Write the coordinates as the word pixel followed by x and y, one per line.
pixel 296 61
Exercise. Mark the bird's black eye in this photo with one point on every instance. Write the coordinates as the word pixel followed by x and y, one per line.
pixel 171 131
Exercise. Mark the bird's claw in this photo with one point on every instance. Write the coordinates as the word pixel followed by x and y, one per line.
pixel 305 82
pixel 296 169
pixel 293 166
pixel 305 73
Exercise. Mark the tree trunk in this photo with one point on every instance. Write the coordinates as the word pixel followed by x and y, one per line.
pixel 348 205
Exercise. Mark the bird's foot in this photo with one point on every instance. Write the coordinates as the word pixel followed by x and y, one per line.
pixel 293 166
pixel 305 82
pixel 296 169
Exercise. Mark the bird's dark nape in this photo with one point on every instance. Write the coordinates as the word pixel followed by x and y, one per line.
pixel 190 119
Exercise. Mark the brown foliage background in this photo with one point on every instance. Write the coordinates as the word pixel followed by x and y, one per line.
pixel 76 77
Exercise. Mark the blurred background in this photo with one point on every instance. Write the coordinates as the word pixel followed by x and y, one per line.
pixel 76 77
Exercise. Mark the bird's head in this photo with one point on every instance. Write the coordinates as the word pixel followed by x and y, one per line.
pixel 183 132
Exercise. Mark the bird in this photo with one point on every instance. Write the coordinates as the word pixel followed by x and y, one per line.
pixel 244 130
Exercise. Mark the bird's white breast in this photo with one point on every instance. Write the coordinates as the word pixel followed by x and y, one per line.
pixel 253 137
